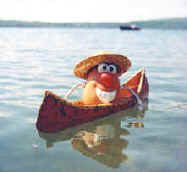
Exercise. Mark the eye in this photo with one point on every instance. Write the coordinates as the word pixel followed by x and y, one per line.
pixel 112 68
pixel 103 67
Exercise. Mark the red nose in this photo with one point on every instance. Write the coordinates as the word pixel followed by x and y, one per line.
pixel 109 80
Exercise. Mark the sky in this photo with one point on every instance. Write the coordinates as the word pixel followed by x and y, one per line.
pixel 91 10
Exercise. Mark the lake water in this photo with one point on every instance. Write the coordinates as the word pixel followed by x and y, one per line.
pixel 35 60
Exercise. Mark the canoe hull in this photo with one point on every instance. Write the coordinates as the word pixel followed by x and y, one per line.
pixel 56 114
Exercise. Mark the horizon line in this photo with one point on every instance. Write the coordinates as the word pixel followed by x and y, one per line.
pixel 48 22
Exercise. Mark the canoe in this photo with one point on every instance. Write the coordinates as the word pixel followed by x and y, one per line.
pixel 56 113
pixel 112 120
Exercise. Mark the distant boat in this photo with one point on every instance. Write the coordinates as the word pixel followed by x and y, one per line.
pixel 129 27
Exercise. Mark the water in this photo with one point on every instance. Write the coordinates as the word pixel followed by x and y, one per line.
pixel 35 60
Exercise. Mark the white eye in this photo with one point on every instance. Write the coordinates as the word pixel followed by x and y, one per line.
pixel 112 68
pixel 103 67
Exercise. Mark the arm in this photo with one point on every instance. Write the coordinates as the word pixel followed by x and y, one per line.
pixel 69 93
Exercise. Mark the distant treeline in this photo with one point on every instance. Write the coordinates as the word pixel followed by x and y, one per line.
pixel 173 23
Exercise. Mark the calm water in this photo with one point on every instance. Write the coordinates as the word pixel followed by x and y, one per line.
pixel 33 60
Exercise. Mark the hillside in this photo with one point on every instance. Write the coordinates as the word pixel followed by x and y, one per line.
pixel 172 23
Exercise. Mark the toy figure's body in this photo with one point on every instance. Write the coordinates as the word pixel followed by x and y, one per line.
pixel 102 74
pixel 102 85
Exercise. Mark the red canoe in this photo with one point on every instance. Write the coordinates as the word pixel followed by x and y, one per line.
pixel 56 113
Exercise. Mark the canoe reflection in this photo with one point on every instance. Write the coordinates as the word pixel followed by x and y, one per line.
pixel 103 144
pixel 102 140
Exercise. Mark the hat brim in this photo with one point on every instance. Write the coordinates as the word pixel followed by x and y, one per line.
pixel 82 68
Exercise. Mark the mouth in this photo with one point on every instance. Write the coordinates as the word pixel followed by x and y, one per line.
pixel 105 96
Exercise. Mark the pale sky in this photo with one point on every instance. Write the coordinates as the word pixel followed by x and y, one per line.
pixel 91 10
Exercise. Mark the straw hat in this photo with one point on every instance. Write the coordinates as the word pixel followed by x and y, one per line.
pixel 82 68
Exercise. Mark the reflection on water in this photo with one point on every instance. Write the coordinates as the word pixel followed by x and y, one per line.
pixel 102 140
